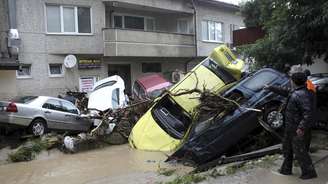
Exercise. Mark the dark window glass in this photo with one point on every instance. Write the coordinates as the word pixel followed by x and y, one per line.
pixel 25 71
pixel 258 81
pixel 136 90
pixel 151 67
pixel 134 22
pixel 116 98
pixel 68 107
pixel 53 105
pixel 55 69
pixel 118 23
pixel 106 84
pixel 225 76
pixel 84 19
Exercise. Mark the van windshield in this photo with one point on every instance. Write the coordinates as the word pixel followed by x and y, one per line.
pixel 225 76
pixel 171 117
pixel 106 84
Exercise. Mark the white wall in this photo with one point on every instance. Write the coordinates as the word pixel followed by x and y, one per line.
pixel 7 84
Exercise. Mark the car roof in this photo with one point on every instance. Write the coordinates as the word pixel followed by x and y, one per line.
pixel 150 81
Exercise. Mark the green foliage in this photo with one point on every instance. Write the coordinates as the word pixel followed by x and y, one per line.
pixel 166 172
pixel 296 31
pixel 28 151
pixel 187 179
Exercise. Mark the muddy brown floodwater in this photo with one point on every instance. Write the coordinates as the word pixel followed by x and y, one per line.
pixel 114 164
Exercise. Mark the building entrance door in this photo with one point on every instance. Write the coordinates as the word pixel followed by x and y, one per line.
pixel 122 70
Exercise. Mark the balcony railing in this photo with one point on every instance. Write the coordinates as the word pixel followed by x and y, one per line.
pixel 139 43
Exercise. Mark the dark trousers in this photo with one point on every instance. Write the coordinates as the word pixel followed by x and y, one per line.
pixel 298 145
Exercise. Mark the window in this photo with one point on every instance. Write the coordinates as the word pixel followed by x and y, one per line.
pixel 232 28
pixel 70 108
pixel 68 19
pixel 151 67
pixel 134 22
pixel 116 98
pixel 182 26
pixel 212 31
pixel 24 72
pixel 257 82
pixel 118 22
pixel 55 70
pixel 53 105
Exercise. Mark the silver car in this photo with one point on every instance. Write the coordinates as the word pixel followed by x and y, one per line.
pixel 41 113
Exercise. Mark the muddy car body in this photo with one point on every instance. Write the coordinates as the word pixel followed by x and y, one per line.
pixel 40 113
pixel 211 138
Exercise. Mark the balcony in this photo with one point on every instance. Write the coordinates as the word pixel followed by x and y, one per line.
pixel 137 43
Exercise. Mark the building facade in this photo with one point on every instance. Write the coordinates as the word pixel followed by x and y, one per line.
pixel 130 38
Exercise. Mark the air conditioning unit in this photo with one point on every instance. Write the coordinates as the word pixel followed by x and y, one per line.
pixel 177 76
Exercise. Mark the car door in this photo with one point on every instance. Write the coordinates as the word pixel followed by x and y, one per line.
pixel 73 121
pixel 52 110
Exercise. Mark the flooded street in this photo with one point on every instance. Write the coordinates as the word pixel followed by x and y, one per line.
pixel 121 164
pixel 114 164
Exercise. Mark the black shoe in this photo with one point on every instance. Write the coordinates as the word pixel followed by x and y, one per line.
pixel 283 172
pixel 309 176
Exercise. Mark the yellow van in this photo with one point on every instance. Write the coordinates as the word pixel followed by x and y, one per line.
pixel 165 124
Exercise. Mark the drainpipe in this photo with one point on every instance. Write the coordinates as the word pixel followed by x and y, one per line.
pixel 13 36
pixel 195 37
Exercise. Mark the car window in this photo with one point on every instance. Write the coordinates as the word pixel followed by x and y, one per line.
pixel 225 76
pixel 106 84
pixel 53 105
pixel 136 89
pixel 68 107
pixel 258 81
pixel 115 98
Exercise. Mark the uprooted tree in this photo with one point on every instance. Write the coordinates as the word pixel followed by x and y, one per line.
pixel 296 31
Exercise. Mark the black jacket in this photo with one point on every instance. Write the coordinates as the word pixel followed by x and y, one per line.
pixel 300 107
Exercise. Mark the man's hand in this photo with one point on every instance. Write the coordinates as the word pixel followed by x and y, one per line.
pixel 300 132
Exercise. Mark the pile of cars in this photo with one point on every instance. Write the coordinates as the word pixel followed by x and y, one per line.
pixel 169 124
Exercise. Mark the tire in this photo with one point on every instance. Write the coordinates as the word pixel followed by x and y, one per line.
pixel 38 127
pixel 274 117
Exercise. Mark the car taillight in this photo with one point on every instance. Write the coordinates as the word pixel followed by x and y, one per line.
pixel 11 107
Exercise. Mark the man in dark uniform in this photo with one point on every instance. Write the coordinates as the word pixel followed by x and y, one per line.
pixel 299 116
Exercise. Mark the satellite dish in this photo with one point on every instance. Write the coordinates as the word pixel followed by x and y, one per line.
pixel 70 61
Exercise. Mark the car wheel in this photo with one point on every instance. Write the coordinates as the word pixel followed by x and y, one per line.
pixel 274 117
pixel 38 127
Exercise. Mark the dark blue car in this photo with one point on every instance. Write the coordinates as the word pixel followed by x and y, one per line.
pixel 211 138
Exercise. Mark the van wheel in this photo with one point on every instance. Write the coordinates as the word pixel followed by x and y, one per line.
pixel 38 127
pixel 274 117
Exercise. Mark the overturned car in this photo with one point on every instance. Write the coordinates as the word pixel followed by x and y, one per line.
pixel 211 138
pixel 164 125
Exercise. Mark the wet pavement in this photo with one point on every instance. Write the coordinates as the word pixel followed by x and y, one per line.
pixel 121 164
pixel 114 164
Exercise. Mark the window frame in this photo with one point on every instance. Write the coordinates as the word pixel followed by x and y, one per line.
pixel 61 13
pixel 25 76
pixel 132 15
pixel 209 31
pixel 56 75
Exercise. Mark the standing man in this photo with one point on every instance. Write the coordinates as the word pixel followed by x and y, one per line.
pixel 299 115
